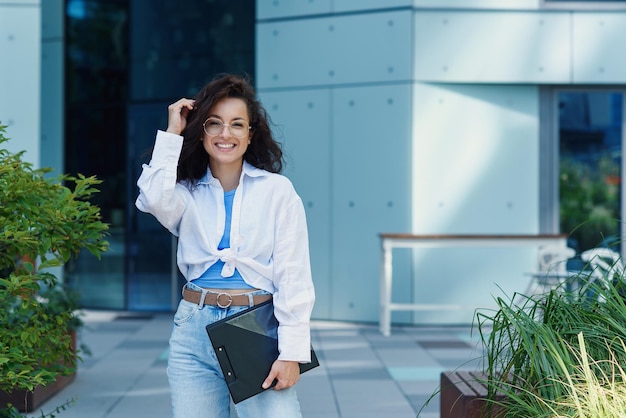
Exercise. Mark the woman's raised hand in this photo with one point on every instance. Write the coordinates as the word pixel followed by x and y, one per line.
pixel 177 115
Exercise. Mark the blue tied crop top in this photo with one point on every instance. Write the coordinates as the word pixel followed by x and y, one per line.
pixel 212 277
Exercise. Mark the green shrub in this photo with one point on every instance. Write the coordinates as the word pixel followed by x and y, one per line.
pixel 43 223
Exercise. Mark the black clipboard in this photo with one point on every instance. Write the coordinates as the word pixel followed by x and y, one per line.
pixel 246 345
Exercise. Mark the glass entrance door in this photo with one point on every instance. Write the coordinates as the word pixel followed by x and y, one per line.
pixel 591 138
pixel 153 280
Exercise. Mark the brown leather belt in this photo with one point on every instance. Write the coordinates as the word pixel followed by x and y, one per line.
pixel 223 300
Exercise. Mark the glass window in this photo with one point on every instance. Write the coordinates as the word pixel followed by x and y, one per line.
pixel 590 167
pixel 126 60
pixel 176 50
pixel 95 123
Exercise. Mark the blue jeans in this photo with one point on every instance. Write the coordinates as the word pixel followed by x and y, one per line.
pixel 197 385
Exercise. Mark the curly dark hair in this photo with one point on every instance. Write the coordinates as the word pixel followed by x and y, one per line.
pixel 263 152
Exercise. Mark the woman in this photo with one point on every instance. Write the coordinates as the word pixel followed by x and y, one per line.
pixel 214 182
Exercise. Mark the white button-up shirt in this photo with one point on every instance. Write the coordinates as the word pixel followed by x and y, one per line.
pixel 269 242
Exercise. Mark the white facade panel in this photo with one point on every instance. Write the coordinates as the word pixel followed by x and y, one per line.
pixel 475 171
pixel 598 50
pixel 272 9
pixel 371 175
pixel 479 4
pixel 492 47
pixel 475 159
pixel 20 43
pixel 470 278
pixel 339 50
pixel 302 125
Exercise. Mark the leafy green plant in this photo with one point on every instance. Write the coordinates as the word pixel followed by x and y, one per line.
pixel 589 200
pixel 43 223
pixel 12 412
pixel 528 346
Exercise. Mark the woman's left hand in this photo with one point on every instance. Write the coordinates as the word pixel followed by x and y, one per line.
pixel 286 373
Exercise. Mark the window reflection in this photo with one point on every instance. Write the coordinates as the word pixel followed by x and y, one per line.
pixel 590 136
pixel 96 93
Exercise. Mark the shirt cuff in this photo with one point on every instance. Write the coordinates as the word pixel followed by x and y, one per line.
pixel 166 150
pixel 294 343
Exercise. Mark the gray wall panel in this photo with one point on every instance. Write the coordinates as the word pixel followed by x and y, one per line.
pixel 371 193
pixel 272 9
pixel 302 124
pixel 338 50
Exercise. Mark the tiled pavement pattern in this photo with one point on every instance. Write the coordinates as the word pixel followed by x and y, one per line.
pixel 362 374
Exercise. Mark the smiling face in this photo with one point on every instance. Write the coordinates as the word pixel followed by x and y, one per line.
pixel 226 150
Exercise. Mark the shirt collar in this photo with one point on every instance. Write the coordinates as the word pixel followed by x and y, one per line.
pixel 252 171
pixel 248 170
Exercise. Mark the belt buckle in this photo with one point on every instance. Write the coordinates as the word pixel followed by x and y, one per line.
pixel 230 300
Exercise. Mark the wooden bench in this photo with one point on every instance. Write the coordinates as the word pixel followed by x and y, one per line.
pixel 463 395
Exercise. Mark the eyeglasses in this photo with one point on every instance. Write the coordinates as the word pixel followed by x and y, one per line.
pixel 238 129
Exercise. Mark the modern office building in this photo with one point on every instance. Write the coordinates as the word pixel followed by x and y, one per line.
pixel 431 117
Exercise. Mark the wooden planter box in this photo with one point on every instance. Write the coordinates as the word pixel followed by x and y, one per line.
pixel 26 401
pixel 463 396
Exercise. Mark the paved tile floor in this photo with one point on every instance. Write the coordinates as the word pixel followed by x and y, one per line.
pixel 362 374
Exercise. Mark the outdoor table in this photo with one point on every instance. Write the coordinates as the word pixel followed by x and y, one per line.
pixel 389 241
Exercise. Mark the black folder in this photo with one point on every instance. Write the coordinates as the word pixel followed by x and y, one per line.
pixel 246 345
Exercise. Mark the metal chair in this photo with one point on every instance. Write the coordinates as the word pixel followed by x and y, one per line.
pixel 552 269
pixel 605 267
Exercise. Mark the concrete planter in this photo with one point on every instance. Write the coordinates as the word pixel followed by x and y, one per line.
pixel 26 401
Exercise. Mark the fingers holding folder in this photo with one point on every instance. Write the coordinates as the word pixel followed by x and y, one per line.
pixel 283 374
